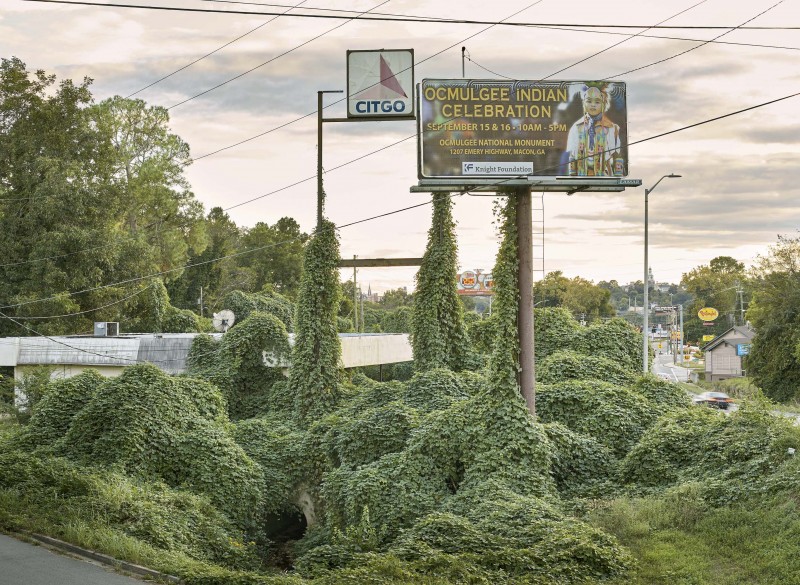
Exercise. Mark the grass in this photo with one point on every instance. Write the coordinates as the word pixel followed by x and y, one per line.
pixel 756 542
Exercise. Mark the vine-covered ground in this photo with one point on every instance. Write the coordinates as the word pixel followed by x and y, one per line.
pixel 239 474
pixel 440 479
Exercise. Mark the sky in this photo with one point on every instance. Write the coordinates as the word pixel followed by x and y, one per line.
pixel 740 185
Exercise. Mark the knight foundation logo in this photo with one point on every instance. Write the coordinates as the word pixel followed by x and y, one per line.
pixel 380 83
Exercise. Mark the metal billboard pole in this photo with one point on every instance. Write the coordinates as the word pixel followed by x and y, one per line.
pixel 527 378
pixel 320 192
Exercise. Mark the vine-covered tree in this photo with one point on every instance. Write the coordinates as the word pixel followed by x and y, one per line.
pixel 774 360
pixel 314 375
pixel 439 337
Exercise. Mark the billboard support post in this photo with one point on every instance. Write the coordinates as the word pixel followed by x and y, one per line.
pixel 320 191
pixel 527 380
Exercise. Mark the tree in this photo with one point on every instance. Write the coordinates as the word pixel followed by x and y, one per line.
pixel 774 360
pixel 277 256
pixel 216 277
pixel 92 194
pixel 578 295
pixel 439 337
pixel 714 286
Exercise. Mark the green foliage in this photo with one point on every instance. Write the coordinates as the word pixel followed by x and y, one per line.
pixel 579 296
pixel 314 376
pixel 439 389
pixel 58 494
pixel 554 330
pixel 581 465
pixel 614 339
pixel 162 428
pixel 243 304
pixel 569 365
pixel 278 450
pixel 278 261
pixel 31 387
pixel 504 362
pixel 236 363
pixel 663 395
pixel 616 417
pixel 53 414
pixel 439 338
pixel 774 362
pixel 744 449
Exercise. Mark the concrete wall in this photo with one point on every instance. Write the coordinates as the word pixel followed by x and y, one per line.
pixel 372 350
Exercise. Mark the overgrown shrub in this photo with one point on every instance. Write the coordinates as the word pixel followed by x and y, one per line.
pixel 617 417
pixel 565 365
pixel 155 426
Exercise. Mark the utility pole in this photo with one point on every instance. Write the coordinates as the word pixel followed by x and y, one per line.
pixel 355 295
pixel 527 381
pixel 200 301
pixel 320 191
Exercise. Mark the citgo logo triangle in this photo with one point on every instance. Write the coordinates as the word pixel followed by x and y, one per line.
pixel 387 88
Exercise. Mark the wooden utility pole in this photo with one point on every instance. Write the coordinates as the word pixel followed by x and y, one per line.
pixel 527 379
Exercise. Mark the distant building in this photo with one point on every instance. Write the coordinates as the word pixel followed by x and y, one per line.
pixel 724 355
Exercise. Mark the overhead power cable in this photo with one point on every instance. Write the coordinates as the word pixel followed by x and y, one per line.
pixel 275 58
pixel 456 21
pixel 389 213
pixel 313 113
pixel 703 44
pixel 625 40
pixel 217 50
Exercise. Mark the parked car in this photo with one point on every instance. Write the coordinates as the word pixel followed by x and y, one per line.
pixel 714 400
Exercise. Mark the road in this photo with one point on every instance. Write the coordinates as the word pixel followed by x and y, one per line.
pixel 27 564
pixel 663 365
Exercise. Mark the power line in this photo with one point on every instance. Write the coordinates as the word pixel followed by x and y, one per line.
pixel 122 300
pixel 308 115
pixel 251 31
pixel 703 44
pixel 389 213
pixel 275 58
pixel 399 18
pixel 628 37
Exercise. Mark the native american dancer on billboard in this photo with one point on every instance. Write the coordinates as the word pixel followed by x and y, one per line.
pixel 593 143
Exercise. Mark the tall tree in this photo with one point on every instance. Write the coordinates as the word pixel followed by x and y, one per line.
pixel 439 337
pixel 774 360
pixel 277 258
pixel 578 295
pixel 314 375
pixel 714 285
pixel 92 194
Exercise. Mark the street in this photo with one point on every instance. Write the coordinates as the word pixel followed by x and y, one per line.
pixel 22 563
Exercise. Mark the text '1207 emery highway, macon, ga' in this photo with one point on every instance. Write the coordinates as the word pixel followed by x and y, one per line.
pixel 514 128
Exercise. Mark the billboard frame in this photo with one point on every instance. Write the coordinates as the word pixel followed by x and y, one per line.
pixel 374 117
pixel 471 85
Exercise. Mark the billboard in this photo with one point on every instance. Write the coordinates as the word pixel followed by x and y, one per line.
pixel 475 283
pixel 490 128
pixel 380 84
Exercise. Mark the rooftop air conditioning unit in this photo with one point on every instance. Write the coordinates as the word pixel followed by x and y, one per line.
pixel 106 328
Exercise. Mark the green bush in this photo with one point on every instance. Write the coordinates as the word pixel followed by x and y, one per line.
pixel 616 417
pixel 159 427
pixel 63 399
pixel 569 365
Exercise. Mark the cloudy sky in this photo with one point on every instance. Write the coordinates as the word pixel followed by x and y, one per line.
pixel 741 178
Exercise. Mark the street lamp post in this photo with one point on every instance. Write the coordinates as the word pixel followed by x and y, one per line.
pixel 645 302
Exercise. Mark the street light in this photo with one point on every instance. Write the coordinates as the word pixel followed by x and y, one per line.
pixel 645 302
